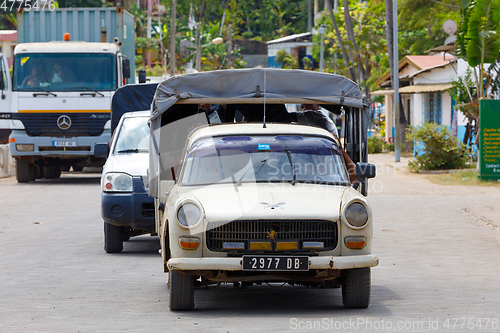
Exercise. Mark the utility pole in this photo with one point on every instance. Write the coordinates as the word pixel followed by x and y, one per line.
pixel 198 48
pixel 148 33
pixel 322 32
pixel 397 143
pixel 229 46
pixel 172 39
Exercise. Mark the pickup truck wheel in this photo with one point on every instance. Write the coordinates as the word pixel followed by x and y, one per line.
pixel 23 171
pixel 181 291
pixel 113 238
pixel 356 288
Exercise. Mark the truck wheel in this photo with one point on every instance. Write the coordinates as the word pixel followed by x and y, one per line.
pixel 49 172
pixel 181 291
pixel 356 288
pixel 23 171
pixel 32 173
pixel 113 238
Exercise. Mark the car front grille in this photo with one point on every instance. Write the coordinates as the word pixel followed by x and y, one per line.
pixel 45 124
pixel 219 233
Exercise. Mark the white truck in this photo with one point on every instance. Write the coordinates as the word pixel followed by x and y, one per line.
pixel 59 104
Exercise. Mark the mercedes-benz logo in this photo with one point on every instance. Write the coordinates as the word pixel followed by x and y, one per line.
pixel 64 122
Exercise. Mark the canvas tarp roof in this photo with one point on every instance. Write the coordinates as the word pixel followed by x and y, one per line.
pixel 226 86
pixel 242 86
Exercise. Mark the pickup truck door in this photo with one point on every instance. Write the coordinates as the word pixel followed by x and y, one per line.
pixel 5 94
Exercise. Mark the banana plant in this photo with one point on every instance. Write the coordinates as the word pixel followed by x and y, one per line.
pixel 479 37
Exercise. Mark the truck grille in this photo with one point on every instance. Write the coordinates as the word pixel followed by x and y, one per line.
pixel 45 124
pixel 244 231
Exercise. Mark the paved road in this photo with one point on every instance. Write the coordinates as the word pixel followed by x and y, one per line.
pixel 439 249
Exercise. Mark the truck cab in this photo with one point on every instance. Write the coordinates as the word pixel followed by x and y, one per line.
pixel 60 103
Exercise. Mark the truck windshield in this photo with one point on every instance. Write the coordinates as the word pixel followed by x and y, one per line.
pixel 282 158
pixel 133 136
pixel 64 72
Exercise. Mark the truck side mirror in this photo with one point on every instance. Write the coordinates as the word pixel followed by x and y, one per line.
pixel 101 149
pixel 142 76
pixel 365 170
pixel 126 68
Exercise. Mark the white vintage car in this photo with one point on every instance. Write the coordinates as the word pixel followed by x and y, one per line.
pixel 259 202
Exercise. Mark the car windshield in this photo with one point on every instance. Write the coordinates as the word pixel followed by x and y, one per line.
pixel 242 159
pixel 64 72
pixel 133 136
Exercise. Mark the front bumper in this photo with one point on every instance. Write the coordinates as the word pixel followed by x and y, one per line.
pixel 135 210
pixel 235 264
pixel 44 145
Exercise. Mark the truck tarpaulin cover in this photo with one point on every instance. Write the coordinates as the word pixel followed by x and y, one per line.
pixel 237 86
pixel 132 97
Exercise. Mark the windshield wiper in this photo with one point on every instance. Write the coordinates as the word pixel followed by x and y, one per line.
pixel 133 150
pixel 45 92
pixel 289 155
pixel 241 179
pixel 89 89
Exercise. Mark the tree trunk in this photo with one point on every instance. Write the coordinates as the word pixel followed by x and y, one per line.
pixel 354 49
pixel 352 74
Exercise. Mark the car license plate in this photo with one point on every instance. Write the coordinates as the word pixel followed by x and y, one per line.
pixel 275 263
pixel 63 143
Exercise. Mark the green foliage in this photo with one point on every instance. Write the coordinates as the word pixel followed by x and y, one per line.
pixel 307 62
pixel 462 86
pixel 441 150
pixel 389 146
pixel 375 145
pixel 247 34
pixel 421 24
pixel 481 35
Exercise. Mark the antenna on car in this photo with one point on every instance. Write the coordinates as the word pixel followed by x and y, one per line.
pixel 264 119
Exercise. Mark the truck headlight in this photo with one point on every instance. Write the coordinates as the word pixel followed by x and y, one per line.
pixel 188 215
pixel 117 182
pixel 356 215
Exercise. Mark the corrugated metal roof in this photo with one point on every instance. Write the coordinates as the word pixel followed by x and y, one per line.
pixel 415 89
pixel 289 38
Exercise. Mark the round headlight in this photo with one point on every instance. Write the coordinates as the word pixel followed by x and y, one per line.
pixel 123 183
pixel 356 215
pixel 188 215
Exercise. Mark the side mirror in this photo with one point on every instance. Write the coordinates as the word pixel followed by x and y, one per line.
pixel 126 68
pixel 142 76
pixel 365 170
pixel 101 149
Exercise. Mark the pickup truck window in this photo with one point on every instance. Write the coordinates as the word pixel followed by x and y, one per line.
pixel 283 158
pixel 65 72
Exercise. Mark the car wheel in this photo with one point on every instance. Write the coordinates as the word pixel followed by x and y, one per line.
pixel 113 238
pixel 23 171
pixel 181 291
pixel 356 288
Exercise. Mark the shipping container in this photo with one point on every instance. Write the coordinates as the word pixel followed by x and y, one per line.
pixel 83 24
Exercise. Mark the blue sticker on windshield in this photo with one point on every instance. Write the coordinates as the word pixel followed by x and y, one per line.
pixel 264 146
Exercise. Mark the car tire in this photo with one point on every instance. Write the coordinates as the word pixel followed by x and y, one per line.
pixel 356 288
pixel 23 171
pixel 181 291
pixel 113 238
